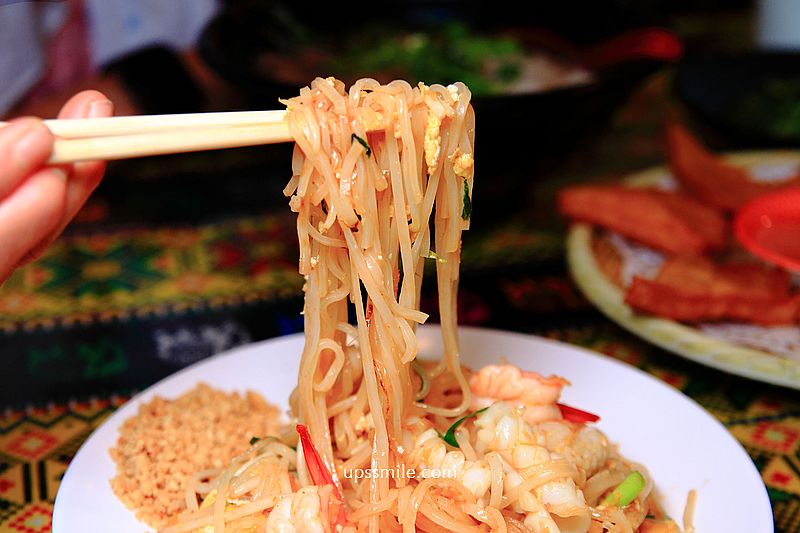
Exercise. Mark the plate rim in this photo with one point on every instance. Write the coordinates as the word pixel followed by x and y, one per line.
pixel 672 336
pixel 427 330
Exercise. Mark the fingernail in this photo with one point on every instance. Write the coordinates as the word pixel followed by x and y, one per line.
pixel 100 108
pixel 27 138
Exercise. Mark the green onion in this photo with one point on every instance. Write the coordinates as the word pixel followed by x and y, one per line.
pixel 627 491
pixel 254 440
pixel 466 210
pixel 362 142
pixel 450 436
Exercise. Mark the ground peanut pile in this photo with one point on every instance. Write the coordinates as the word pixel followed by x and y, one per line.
pixel 168 440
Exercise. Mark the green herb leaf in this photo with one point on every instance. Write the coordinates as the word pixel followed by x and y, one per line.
pixel 450 436
pixel 254 440
pixel 466 210
pixel 362 142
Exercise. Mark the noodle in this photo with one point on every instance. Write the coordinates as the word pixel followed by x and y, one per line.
pixel 688 512
pixel 537 476
pixel 384 251
pixel 497 480
pixel 601 483
pixel 382 179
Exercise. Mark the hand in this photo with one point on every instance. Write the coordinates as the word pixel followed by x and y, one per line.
pixel 37 202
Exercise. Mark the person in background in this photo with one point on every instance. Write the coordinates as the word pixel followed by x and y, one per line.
pixel 52 49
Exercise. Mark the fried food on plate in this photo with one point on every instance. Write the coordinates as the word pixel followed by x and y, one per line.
pixel 693 289
pixel 746 279
pixel 708 177
pixel 668 221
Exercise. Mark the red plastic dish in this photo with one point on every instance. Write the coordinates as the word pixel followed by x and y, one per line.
pixel 769 227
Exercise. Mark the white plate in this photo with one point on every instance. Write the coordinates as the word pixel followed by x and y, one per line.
pixel 682 445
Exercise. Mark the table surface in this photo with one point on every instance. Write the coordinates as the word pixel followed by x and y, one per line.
pixel 120 302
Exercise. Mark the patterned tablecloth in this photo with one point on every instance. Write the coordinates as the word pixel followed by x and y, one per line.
pixel 116 305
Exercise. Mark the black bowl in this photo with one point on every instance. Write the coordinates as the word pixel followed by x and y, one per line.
pixel 714 89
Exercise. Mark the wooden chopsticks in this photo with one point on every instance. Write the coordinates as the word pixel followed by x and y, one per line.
pixel 137 136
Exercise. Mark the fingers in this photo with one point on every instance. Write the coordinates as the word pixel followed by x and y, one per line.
pixel 35 210
pixel 83 177
pixel 25 146
pixel 87 104
pixel 31 212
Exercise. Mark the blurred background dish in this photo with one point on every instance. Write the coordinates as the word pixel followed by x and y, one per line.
pixel 763 352
pixel 555 69
pixel 497 50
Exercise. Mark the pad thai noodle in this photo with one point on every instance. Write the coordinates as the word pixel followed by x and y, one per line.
pixel 381 182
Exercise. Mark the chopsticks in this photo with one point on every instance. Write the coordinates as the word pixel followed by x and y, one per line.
pixel 137 136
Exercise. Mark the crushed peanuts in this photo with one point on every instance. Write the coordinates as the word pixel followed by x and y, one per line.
pixel 167 441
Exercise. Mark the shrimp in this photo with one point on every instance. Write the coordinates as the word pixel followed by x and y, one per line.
pixel 517 388
pixel 523 450
pixel 584 446
pixel 536 516
pixel 430 457
pixel 299 512
pixel 514 453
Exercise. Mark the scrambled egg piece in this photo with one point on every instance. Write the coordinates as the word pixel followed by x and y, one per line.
pixel 462 164
pixel 433 142
pixel 371 120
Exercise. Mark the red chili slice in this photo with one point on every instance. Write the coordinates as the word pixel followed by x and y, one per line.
pixel 572 414
pixel 319 473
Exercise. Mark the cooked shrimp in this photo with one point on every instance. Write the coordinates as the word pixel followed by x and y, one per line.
pixel 299 512
pixel 584 446
pixel 431 453
pixel 504 429
pixel 539 465
pixel 536 516
pixel 538 394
